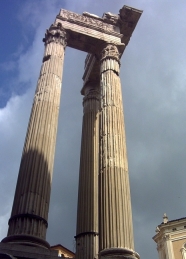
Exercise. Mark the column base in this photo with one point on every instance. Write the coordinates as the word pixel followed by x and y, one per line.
pixel 26 240
pixel 26 252
pixel 115 252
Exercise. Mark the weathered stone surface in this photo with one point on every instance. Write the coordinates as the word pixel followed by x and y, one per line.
pixel 115 215
pixel 26 252
pixel 104 193
pixel 89 32
pixel 87 209
pixel 28 222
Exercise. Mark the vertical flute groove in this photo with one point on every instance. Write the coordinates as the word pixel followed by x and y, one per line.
pixel 28 222
pixel 87 211
pixel 115 216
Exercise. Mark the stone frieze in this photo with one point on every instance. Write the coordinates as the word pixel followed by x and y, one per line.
pixel 90 21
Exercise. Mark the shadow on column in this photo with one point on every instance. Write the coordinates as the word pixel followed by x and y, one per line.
pixel 28 221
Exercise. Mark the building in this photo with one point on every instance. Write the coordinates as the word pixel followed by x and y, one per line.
pixel 63 251
pixel 171 238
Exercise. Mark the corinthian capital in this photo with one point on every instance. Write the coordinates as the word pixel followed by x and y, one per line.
pixel 57 34
pixel 91 91
pixel 167 237
pixel 92 94
pixel 110 51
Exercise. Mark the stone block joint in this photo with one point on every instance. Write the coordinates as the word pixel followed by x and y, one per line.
pixel 104 216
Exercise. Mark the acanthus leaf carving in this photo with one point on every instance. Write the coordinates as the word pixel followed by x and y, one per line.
pixel 110 51
pixel 57 34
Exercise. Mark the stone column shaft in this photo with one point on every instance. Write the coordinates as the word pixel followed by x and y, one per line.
pixel 87 212
pixel 28 222
pixel 115 215
pixel 168 247
pixel 183 252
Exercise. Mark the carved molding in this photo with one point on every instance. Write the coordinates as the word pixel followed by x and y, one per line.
pixel 111 18
pixel 110 51
pixel 167 237
pixel 92 94
pixel 57 34
pixel 107 25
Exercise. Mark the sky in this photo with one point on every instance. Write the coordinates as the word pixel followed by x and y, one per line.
pixel 153 76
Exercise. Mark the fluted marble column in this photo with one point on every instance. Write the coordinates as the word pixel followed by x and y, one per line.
pixel 115 216
pixel 28 221
pixel 87 211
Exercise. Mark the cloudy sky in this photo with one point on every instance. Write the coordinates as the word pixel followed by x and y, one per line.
pixel 153 75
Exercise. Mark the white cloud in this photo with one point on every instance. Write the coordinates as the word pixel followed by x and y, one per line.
pixel 8 66
pixel 13 121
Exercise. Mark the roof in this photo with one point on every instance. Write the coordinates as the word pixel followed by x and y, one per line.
pixel 62 247
pixel 169 221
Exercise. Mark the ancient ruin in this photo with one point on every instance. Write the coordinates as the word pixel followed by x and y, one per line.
pixel 104 217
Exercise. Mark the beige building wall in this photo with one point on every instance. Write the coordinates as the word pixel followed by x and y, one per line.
pixel 178 247
pixel 63 251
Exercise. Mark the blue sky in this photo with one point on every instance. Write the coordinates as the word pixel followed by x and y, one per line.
pixel 153 77
pixel 11 32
